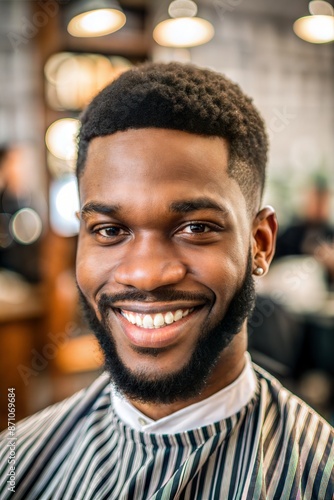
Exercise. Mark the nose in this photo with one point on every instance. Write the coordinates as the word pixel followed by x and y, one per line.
pixel 150 265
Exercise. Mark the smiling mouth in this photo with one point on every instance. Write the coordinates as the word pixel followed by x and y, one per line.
pixel 155 321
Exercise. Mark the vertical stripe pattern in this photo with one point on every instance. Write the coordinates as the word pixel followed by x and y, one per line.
pixel 276 447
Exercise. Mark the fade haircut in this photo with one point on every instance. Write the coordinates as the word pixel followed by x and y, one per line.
pixel 183 97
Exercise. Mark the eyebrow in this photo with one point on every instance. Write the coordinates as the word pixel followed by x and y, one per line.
pixel 186 206
pixel 182 206
pixel 98 208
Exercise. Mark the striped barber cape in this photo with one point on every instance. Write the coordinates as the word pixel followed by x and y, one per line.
pixel 276 447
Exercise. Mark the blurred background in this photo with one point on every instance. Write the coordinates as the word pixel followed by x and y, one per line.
pixel 55 56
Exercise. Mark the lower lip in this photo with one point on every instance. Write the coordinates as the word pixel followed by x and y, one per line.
pixel 155 337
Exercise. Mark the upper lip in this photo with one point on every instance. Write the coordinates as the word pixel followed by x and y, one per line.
pixel 155 307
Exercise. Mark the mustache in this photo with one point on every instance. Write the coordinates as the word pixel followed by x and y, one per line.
pixel 108 300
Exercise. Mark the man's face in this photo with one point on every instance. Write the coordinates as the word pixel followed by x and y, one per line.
pixel 163 248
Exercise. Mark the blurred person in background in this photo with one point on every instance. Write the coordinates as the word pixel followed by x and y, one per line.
pixel 313 233
pixel 15 256
pixel 299 347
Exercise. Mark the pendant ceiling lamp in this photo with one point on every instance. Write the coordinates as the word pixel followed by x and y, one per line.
pixel 90 18
pixel 319 26
pixel 184 29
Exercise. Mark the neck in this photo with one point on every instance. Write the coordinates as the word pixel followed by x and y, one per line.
pixel 227 370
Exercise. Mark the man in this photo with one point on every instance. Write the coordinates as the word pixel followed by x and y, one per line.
pixel 171 171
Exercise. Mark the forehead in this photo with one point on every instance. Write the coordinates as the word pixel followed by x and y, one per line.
pixel 158 163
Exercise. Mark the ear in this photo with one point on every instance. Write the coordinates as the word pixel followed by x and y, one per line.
pixel 264 239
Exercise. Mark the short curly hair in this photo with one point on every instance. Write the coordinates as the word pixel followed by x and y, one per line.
pixel 183 97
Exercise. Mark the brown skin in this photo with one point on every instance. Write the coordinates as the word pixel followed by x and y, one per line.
pixel 140 173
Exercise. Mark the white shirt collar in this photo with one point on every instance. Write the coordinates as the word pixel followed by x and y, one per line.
pixel 221 405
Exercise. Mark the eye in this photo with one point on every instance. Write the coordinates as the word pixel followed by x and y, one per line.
pixel 196 228
pixel 110 234
pixel 200 232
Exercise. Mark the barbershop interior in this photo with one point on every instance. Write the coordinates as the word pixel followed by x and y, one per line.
pixel 56 55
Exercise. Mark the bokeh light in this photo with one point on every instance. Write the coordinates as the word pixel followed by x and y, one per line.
pixel 183 32
pixel 64 203
pixel 72 79
pixel 61 138
pixel 96 23
pixel 26 226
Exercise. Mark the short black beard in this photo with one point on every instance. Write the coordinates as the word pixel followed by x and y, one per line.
pixel 191 379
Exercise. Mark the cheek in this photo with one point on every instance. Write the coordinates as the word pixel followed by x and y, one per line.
pixel 91 270
pixel 224 276
pixel 222 271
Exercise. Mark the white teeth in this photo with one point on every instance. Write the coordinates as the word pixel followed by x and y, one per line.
pixel 158 320
pixel 169 318
pixel 147 321
pixel 178 315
